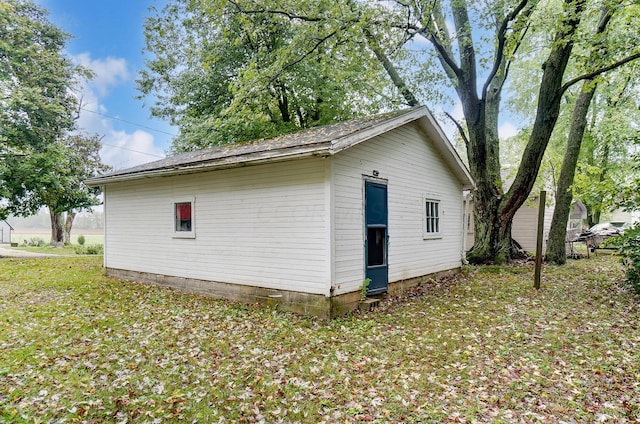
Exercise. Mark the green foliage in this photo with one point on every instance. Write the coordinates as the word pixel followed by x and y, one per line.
pixel 35 78
pixel 35 242
pixel 81 240
pixel 364 288
pixel 90 249
pixel 42 163
pixel 611 125
pixel 223 76
pixel 630 250
pixel 629 197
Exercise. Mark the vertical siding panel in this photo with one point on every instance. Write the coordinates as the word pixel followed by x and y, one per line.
pixel 412 168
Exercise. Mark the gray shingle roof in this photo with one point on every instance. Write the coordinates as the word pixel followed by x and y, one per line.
pixel 320 141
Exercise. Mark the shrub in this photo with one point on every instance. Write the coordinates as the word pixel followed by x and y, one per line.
pixel 35 242
pixel 95 249
pixel 630 251
pixel 90 249
pixel 81 240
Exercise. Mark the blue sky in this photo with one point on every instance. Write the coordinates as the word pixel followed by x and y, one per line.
pixel 108 38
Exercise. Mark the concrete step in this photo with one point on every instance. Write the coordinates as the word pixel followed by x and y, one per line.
pixel 369 304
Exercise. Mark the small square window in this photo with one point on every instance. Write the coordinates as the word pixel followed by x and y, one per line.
pixel 183 219
pixel 431 218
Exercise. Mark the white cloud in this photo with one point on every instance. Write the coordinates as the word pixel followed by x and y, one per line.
pixel 108 72
pixel 121 149
pixel 507 130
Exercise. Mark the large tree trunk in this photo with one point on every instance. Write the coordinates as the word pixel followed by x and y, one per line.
pixel 57 228
pixel 556 251
pixel 493 241
pixel 67 227
pixel 493 210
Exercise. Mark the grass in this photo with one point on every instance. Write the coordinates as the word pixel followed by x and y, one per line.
pixel 483 347
pixel 90 239
pixel 49 250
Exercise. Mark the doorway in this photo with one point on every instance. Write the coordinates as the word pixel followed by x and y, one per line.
pixel 376 237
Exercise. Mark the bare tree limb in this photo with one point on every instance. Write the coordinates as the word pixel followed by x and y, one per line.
pixel 397 80
pixel 502 32
pixel 460 129
pixel 597 72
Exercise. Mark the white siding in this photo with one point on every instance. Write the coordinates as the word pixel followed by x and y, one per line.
pixel 266 225
pixel 525 227
pixel 5 232
pixel 412 168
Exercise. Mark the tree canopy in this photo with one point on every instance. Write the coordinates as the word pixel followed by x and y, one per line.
pixel 36 78
pixel 44 159
pixel 223 76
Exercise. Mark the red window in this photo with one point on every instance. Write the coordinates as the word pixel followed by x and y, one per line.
pixel 183 216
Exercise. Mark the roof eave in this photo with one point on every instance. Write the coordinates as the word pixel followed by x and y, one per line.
pixel 217 164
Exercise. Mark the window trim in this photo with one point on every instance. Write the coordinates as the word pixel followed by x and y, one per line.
pixel 184 234
pixel 432 234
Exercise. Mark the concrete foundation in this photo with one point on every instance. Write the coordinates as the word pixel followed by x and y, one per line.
pixel 299 302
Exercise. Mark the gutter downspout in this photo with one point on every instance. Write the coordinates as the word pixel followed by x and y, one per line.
pixel 466 201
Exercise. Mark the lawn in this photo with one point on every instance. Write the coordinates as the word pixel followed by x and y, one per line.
pixel 483 347
pixel 22 237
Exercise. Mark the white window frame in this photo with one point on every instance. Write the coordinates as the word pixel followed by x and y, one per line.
pixel 430 198
pixel 184 234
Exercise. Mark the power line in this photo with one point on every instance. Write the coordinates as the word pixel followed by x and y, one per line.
pixel 128 122
pixel 132 150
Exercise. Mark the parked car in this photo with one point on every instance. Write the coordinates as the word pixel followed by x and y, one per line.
pixel 595 235
pixel 610 228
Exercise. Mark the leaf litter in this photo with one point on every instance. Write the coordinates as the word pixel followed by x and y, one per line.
pixel 480 346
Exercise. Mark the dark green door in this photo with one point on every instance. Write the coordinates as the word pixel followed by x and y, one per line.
pixel 377 238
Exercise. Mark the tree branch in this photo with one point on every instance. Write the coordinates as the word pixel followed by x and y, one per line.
pixel 278 12
pixel 460 129
pixel 509 62
pixel 502 31
pixel 439 37
pixel 305 55
pixel 597 72
pixel 397 80
pixel 443 53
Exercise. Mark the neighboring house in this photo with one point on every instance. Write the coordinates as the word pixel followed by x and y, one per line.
pixel 620 215
pixel 524 229
pixel 5 232
pixel 525 225
pixel 300 220
pixel 577 219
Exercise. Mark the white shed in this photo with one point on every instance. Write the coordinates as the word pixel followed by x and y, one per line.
pixel 5 232
pixel 300 220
